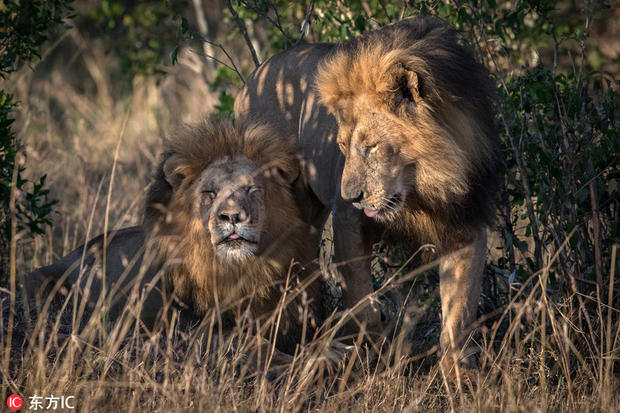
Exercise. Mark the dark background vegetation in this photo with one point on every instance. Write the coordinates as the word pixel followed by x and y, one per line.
pixel 83 79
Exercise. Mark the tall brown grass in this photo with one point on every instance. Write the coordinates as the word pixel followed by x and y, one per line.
pixel 532 358
pixel 540 350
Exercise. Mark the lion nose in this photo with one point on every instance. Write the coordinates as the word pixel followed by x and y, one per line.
pixel 351 189
pixel 233 216
pixel 352 195
pixel 233 213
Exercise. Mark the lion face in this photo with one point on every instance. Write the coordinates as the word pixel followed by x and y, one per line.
pixel 373 128
pixel 376 177
pixel 231 206
pixel 401 147
pixel 221 213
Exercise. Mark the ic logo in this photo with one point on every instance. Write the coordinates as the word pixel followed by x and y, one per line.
pixel 14 402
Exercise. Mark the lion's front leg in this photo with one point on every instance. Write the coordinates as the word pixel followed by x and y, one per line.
pixel 352 258
pixel 460 280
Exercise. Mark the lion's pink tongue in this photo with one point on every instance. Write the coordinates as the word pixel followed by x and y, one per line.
pixel 371 212
pixel 234 236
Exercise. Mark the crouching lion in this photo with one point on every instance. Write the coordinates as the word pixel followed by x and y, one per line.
pixel 221 229
pixel 397 131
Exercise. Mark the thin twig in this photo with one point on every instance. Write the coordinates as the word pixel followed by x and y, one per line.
pixel 509 228
pixel 366 8
pixel 233 68
pixel 382 4
pixel 244 32
pixel 305 23
pixel 279 26
pixel 596 228
pixel 529 203
pixel 276 23
pixel 232 65
pixel 403 9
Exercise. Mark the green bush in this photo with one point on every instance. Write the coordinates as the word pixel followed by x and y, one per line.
pixel 140 34
pixel 28 25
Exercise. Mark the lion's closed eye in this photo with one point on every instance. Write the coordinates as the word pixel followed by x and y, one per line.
pixel 372 148
pixel 208 196
pixel 255 190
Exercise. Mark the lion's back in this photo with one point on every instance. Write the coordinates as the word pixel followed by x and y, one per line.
pixel 275 92
pixel 84 267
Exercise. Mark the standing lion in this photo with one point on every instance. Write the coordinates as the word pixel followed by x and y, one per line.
pixel 397 131
pixel 222 232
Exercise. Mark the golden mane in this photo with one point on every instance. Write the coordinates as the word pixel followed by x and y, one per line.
pixel 450 136
pixel 451 82
pixel 183 243
pixel 193 147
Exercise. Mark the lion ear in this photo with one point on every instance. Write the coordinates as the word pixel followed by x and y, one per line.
pixel 407 84
pixel 414 85
pixel 171 171
pixel 289 173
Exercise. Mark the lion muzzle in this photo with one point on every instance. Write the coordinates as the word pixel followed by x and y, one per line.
pixel 234 210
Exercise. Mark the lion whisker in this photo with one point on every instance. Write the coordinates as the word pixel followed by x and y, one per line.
pixel 389 204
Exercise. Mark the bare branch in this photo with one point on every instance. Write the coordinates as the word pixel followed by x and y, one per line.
pixel 232 64
pixel 403 9
pixel 382 4
pixel 244 32
pixel 306 23
pixel 277 23
pixel 366 8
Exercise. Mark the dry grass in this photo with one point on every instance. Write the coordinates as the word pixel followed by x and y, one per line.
pixel 541 351
pixel 533 358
